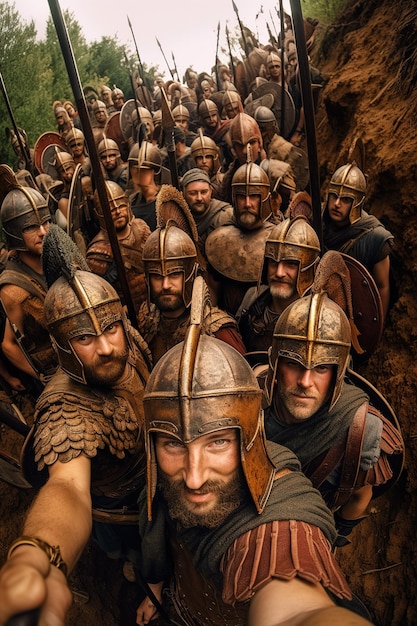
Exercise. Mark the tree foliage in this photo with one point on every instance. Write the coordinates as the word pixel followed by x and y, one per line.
pixel 324 10
pixel 35 76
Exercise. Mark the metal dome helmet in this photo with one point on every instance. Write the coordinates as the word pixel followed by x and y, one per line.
pixel 146 118
pixel 232 103
pixel 85 304
pixel 169 250
pixel 107 146
pixel 117 94
pixel 312 331
pixel 63 161
pixel 99 105
pixel 294 240
pixel 181 114
pixel 244 129
pixel 21 209
pixel 265 118
pixel 147 156
pixel 207 108
pixel 349 181
pixel 204 147
pixel 201 386
pixel 116 197
pixel 74 136
pixel 251 180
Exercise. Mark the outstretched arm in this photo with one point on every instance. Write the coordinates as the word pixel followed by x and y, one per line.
pixel 60 516
pixel 298 603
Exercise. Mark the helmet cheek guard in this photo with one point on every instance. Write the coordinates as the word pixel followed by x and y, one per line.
pixel 349 181
pixel 313 331
pixel 202 386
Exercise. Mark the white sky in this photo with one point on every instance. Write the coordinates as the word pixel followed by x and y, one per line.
pixel 188 28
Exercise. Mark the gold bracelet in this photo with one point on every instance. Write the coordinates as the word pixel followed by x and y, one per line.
pixel 52 552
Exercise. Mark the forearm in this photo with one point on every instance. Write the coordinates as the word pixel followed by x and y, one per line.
pixel 15 355
pixel 327 617
pixel 356 505
pixel 61 515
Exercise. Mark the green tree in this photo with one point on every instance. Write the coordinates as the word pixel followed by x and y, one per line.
pixel 325 10
pixel 26 77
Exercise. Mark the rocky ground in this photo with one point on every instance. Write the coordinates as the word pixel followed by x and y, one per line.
pixel 370 60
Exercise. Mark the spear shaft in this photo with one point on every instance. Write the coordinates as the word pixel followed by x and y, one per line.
pixel 74 78
pixel 24 150
pixel 165 59
pixel 310 124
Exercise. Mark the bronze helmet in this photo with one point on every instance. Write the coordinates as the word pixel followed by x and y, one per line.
pixel 21 208
pixel 74 135
pixel 294 240
pixel 349 181
pixel 147 156
pixel 180 113
pixel 206 108
pixel 63 161
pixel 85 304
pixel 232 103
pixel 200 386
pixel 251 180
pixel 313 331
pixel 203 146
pixel 244 129
pixel 107 145
pixel 116 197
pixel 168 250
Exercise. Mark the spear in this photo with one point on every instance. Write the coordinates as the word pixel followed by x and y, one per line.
pixel 232 65
pixel 24 150
pixel 168 125
pixel 216 67
pixel 175 66
pixel 74 78
pixel 282 34
pixel 245 43
pixel 165 59
pixel 310 125
pixel 141 70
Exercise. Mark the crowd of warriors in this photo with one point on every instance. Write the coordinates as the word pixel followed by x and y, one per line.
pixel 241 225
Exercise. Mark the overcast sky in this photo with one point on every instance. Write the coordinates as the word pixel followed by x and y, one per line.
pixel 188 28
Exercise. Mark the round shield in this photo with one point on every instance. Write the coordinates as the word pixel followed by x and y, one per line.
pixel 112 130
pixel 274 89
pixel 377 400
pixel 126 124
pixel 48 160
pixel 367 307
pixel 238 254
pixel 46 139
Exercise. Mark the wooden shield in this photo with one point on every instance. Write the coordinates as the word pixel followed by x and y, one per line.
pixel 113 130
pixel 126 124
pixel 377 400
pixel 268 89
pixel 367 307
pixel 43 141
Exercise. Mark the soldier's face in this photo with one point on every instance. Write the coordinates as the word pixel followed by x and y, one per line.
pixel 198 197
pixel 247 210
pixel 105 356
pixel 241 150
pixel 205 163
pixel 339 208
pixel 282 278
pixel 33 237
pixel 201 481
pixel 166 292
pixel 301 392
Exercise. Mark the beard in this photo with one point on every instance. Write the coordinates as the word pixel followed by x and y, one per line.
pixel 165 303
pixel 281 290
pixel 104 371
pixel 248 220
pixel 229 496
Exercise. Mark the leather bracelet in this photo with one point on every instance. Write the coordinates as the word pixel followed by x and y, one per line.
pixel 52 552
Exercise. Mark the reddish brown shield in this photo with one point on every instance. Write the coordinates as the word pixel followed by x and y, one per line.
pixel 47 139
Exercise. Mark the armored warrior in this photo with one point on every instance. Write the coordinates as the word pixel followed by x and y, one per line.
pixel 25 218
pixel 292 252
pixel 223 509
pixel 217 129
pixel 181 116
pixel 350 229
pixel 244 136
pixel 170 259
pixel 118 98
pixel 131 234
pixel 109 154
pixel 63 120
pixel 100 115
pixel 208 213
pixel 346 446
pixel 235 252
pixel 86 448
pixel 145 166
pixel 206 156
